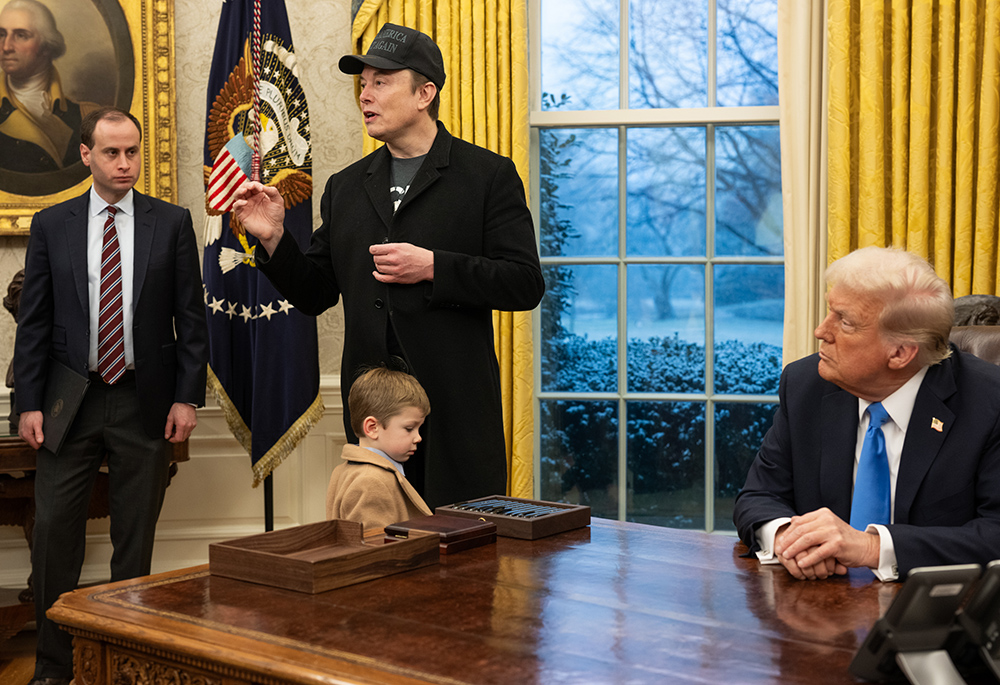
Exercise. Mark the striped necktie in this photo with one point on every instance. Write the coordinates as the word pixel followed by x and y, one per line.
pixel 110 328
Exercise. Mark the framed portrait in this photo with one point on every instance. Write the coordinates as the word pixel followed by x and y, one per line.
pixel 117 52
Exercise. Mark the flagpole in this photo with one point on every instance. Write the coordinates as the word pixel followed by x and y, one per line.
pixel 268 503
pixel 255 56
pixel 255 176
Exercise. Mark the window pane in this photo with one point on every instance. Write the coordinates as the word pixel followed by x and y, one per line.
pixel 666 191
pixel 666 328
pixel 666 463
pixel 747 52
pixel 668 54
pixel 580 54
pixel 749 312
pixel 578 177
pixel 739 432
pixel 580 329
pixel 748 218
pixel 579 454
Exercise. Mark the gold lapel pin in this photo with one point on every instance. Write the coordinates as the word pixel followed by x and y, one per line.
pixel 937 424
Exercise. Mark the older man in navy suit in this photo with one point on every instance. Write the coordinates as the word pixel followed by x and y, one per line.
pixel 884 353
pixel 112 290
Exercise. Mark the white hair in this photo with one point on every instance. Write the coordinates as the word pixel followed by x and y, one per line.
pixel 917 304
pixel 52 40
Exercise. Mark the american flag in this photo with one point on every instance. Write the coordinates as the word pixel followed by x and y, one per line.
pixel 230 169
pixel 269 406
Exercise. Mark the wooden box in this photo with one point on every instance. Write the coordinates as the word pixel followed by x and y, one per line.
pixel 527 519
pixel 455 533
pixel 318 557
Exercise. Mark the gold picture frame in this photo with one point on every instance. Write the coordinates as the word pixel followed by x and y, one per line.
pixel 128 63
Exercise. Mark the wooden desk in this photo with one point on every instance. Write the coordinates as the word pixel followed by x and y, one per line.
pixel 616 602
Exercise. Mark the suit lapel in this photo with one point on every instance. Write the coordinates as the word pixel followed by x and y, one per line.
pixel 76 243
pixel 839 439
pixel 426 175
pixel 377 185
pixel 923 439
pixel 145 227
pixel 380 175
pixel 437 157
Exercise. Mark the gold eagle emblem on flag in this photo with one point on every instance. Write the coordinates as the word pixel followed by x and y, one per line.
pixel 285 151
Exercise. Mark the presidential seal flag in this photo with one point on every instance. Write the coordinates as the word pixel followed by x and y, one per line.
pixel 263 364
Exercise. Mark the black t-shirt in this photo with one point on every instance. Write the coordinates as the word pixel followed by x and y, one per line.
pixel 403 171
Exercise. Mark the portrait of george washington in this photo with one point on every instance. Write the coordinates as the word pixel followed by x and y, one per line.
pixel 50 78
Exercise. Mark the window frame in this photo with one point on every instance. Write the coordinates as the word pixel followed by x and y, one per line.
pixel 623 119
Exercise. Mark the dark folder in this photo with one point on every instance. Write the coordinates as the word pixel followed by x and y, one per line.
pixel 456 533
pixel 64 391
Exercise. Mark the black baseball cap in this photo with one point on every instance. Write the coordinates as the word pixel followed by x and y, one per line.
pixel 399 47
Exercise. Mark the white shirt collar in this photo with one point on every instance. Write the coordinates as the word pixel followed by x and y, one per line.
pixel 98 204
pixel 899 405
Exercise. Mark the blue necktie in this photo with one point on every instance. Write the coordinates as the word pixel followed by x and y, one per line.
pixel 872 497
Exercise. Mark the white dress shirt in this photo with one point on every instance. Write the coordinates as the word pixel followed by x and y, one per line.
pixel 125 224
pixel 899 406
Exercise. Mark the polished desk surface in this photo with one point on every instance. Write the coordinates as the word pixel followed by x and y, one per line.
pixel 615 602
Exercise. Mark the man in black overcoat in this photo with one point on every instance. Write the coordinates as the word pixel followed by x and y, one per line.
pixel 421 240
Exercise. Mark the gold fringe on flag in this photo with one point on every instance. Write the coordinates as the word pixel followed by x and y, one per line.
pixel 283 446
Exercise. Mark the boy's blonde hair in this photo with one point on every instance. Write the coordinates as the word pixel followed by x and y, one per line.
pixel 383 393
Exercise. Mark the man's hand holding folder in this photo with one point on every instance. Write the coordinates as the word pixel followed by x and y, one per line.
pixel 64 391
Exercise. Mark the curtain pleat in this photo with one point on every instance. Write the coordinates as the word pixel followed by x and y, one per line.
pixel 941 241
pixel 801 87
pixel 984 275
pixel 899 124
pixel 485 101
pixel 914 138
pixel 842 182
pixel 965 154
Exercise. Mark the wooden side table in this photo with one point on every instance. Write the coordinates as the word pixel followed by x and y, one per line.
pixel 17 508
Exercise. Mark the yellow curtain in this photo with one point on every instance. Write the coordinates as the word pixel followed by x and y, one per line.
pixel 484 101
pixel 914 134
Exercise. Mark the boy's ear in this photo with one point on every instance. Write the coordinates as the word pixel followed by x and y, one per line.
pixel 370 426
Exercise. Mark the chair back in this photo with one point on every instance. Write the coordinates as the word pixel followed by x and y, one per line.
pixel 982 341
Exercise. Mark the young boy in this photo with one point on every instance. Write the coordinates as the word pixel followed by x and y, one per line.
pixel 387 408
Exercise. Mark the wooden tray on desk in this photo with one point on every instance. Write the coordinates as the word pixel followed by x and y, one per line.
pixel 528 519
pixel 318 557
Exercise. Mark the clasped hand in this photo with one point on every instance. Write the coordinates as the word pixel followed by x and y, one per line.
pixel 402 263
pixel 820 544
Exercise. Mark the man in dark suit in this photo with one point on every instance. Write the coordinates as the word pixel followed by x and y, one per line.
pixel 112 289
pixel 884 342
pixel 423 238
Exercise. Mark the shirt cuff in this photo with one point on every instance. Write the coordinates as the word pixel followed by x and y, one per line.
pixel 887 570
pixel 765 539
